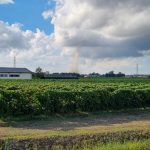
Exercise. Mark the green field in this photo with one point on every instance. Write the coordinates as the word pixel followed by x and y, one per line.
pixel 99 113
pixel 35 97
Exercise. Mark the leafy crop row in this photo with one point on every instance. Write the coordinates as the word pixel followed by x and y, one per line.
pixel 67 96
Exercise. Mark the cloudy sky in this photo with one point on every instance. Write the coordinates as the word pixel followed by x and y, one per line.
pixel 76 35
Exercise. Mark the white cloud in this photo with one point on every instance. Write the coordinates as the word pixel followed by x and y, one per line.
pixel 33 49
pixel 101 36
pixel 13 37
pixel 47 14
pixel 103 29
pixel 6 2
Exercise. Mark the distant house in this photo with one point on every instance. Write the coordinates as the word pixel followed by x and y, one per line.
pixel 15 73
pixel 138 76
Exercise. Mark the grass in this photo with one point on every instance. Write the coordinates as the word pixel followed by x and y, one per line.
pixel 74 126
pixel 140 145
pixel 86 129
pixel 136 145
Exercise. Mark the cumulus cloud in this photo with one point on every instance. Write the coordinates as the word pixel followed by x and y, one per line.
pixel 6 2
pixel 34 48
pixel 47 14
pixel 96 33
pixel 13 37
pixel 103 29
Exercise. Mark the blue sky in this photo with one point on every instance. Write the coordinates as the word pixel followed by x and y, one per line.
pixel 89 36
pixel 28 14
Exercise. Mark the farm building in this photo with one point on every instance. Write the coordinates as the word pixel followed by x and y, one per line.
pixel 15 73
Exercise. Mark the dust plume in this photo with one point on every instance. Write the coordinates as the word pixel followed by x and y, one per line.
pixel 74 67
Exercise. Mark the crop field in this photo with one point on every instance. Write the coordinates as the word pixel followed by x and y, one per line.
pixel 68 96
pixel 90 114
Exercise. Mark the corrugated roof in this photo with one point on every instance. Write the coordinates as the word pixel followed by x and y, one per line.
pixel 14 70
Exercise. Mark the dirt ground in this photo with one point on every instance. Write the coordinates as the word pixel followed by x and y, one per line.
pixel 92 123
pixel 91 120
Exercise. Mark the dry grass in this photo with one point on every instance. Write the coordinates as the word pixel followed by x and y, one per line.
pixel 62 126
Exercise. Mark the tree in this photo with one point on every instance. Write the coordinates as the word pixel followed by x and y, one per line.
pixel 120 74
pixel 39 73
pixel 110 74
pixel 38 70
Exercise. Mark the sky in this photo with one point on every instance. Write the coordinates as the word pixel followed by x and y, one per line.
pixel 76 35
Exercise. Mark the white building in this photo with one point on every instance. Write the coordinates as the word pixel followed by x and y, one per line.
pixel 15 73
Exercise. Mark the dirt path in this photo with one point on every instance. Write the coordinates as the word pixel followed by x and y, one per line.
pixel 92 120
pixel 77 125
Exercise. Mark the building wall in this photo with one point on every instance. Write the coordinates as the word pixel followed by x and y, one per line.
pixel 17 76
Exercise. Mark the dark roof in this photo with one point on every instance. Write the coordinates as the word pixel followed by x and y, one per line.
pixel 14 70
